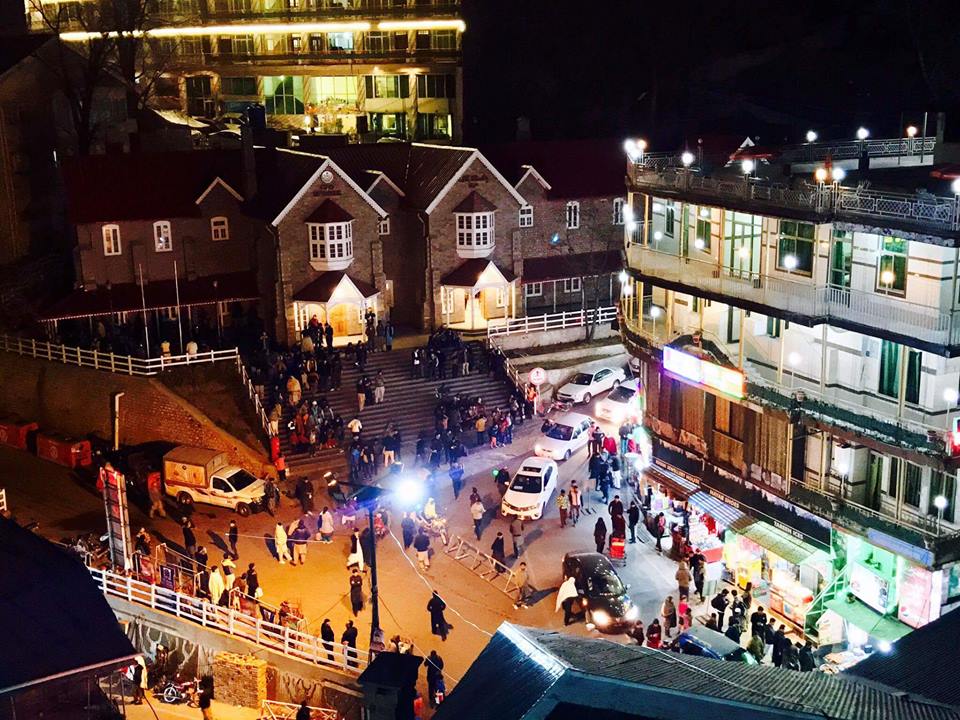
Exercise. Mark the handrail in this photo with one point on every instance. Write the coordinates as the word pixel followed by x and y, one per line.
pixel 292 643
pixel 108 361
pixel 553 321
pixel 276 710
pixel 254 397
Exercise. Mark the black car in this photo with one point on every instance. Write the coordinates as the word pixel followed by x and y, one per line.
pixel 603 598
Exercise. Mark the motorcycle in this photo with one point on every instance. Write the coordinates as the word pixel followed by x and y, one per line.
pixel 435 527
pixel 174 693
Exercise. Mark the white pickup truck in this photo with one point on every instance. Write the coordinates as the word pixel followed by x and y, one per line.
pixel 193 474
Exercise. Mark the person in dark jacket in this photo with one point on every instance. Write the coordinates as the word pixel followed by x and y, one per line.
pixel 791 655
pixel 438 623
pixel 328 637
pixel 719 603
pixel 600 534
pixel 779 644
pixel 356 591
pixel 807 661
pixel 498 552
pixel 408 528
pixel 253 581
pixel 349 639
pixel 233 535
pixel 435 684
pixel 633 519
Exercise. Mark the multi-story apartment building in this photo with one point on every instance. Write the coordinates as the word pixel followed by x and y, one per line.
pixel 796 315
pixel 366 68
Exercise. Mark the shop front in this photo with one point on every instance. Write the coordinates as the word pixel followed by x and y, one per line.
pixel 785 573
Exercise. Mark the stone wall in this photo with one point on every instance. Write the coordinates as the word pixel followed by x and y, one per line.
pixel 239 680
pixel 76 402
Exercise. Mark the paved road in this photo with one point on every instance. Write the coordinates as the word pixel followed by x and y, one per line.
pixel 64 505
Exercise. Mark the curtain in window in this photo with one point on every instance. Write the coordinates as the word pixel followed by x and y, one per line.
pixel 889 369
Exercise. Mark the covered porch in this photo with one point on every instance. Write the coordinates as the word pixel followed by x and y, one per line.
pixel 476 294
pixel 336 298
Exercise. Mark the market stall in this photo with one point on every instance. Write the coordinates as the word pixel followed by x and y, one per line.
pixel 709 519
pixel 786 573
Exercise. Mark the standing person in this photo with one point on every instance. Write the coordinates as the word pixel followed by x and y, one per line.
pixel 779 643
pixel 683 578
pixel 755 647
pixel 660 525
pixel 719 603
pixel 758 621
pixel 566 597
pixel 456 478
pixel 355 558
pixel 807 660
pixel 349 641
pixel 524 588
pixel 616 506
pixel 563 505
pixel 516 534
pixel 407 529
pixel 416 365
pixel 388 332
pixel 281 465
pixel 217 586
pixel 668 611
pixel 253 582
pixel 633 519
pixel 435 684
pixel 600 534
pixel 698 564
pixel 326 525
pixel 379 388
pixel 328 334
pixel 271 495
pixel 327 636
pixel 575 498
pixel 280 542
pixel 303 712
pixel 438 623
pixel 481 428
pixel 361 393
pixel 476 512
pixel 156 495
pixel 233 535
pixel 769 635
pixel 139 680
pixel 498 553
pixel 421 543
pixel 201 557
pixel 205 700
pixel 189 537
pixel 356 591
pixel 734 630
pixel 299 538
pixel 654 634
pixel 636 632
pixel 304 492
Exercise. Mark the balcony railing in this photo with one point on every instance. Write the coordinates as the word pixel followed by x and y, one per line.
pixel 309 56
pixel 829 304
pixel 848 149
pixel 927 212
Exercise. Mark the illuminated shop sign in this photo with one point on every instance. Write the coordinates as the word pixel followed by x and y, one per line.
pixel 689 367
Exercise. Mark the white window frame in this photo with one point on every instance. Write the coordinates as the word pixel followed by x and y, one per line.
pixel 534 289
pixel 331 242
pixel 573 215
pixel 383 226
pixel 572 285
pixel 162 237
pixel 446 300
pixel 476 233
pixel 526 216
pixel 501 299
pixel 618 205
pixel 111 240
pixel 219 228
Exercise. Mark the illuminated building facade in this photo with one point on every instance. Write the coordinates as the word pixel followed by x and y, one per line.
pixel 795 314
pixel 365 68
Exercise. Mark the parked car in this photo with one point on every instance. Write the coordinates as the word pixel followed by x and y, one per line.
pixel 700 640
pixel 602 595
pixel 531 488
pixel 622 402
pixel 194 474
pixel 586 385
pixel 563 436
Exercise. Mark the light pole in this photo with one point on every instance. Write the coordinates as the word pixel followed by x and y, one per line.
pixel 940 503
pixel 811 136
pixel 654 313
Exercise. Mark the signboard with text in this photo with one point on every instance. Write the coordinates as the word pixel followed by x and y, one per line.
pixel 722 379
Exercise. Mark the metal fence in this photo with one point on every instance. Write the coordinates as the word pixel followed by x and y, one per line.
pixel 254 395
pixel 275 710
pixel 108 361
pixel 292 643
pixel 553 321
pixel 484 566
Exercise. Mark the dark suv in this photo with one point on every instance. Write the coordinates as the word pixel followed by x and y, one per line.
pixel 603 598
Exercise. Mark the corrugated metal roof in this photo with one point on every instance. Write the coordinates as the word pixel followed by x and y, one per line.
pixel 778 542
pixel 923 662
pixel 725 514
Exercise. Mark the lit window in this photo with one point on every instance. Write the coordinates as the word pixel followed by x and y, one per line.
pixel 618 204
pixel 892 266
pixel 162 241
pixel 533 289
pixel 111 239
pixel 526 216
pixel 446 301
pixel 501 297
pixel 475 232
pixel 796 247
pixel 219 228
pixel 571 285
pixel 383 227
pixel 573 215
pixel 331 244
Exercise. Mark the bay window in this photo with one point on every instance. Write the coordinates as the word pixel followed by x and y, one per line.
pixel 475 234
pixel 162 241
pixel 331 245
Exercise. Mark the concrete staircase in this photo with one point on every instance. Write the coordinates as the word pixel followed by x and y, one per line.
pixel 408 403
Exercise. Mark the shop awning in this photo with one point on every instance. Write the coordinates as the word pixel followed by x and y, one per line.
pixel 778 542
pixel 683 486
pixel 869 620
pixel 724 514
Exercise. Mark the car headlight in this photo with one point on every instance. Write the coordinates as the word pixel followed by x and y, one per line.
pixel 537 449
pixel 600 618
pixel 633 613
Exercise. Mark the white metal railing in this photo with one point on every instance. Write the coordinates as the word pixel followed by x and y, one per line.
pixel 254 397
pixel 921 208
pixel 847 149
pixel 276 710
pixel 484 566
pixel 292 643
pixel 804 298
pixel 554 321
pixel 108 361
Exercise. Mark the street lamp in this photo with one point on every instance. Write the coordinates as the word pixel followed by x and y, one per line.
pixel 655 313
pixel 862 133
pixel 811 136
pixel 911 131
pixel 955 186
pixel 748 166
pixel 940 503
pixel 623 277
pixel 838 175
pixel 886 278
pixel 951 396
pixel 686 158
pixel 820 175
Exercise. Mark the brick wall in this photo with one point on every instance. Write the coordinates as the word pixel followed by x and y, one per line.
pixel 239 680
pixel 77 402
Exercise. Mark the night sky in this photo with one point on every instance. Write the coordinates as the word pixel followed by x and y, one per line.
pixel 671 71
